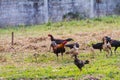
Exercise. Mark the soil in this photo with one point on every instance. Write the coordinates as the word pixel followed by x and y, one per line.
pixel 41 44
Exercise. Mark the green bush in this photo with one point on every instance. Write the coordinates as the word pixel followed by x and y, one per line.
pixel 117 9
pixel 72 16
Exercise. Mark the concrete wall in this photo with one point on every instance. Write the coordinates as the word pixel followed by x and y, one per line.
pixel 30 12
pixel 105 7
pixel 58 8
pixel 21 12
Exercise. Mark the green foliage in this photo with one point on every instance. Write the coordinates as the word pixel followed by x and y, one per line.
pixel 49 24
pixel 72 16
pixel 49 68
pixel 117 9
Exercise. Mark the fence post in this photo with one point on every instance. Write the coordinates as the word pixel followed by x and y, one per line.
pixel 12 42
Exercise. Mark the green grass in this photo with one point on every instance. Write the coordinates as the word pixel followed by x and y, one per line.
pixel 24 65
pixel 49 67
pixel 67 27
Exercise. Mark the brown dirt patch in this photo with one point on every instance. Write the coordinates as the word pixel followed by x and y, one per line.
pixel 41 44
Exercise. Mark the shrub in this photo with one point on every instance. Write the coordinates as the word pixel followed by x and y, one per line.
pixel 72 16
pixel 117 9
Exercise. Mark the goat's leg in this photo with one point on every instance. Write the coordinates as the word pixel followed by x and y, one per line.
pixel 115 50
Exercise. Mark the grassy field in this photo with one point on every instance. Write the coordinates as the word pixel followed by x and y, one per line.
pixel 18 62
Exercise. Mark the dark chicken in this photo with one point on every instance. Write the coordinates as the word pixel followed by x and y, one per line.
pixel 58 41
pixel 74 49
pixel 71 46
pixel 58 48
pixel 114 43
pixel 98 46
pixel 80 63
